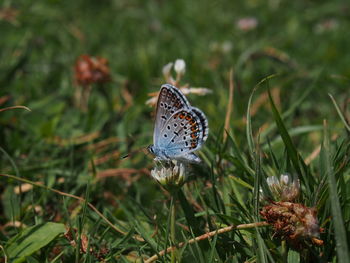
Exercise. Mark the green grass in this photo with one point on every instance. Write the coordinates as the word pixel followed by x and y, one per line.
pixel 298 60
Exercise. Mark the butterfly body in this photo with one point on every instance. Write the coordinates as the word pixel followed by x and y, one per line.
pixel 180 129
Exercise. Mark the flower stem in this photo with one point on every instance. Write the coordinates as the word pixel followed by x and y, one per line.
pixel 284 251
pixel 172 230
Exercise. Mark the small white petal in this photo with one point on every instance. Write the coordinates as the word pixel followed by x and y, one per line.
pixel 285 179
pixel 180 66
pixel 167 68
pixel 272 181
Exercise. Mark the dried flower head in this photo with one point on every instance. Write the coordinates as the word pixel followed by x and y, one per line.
pixel 170 174
pixel 9 14
pixel 247 23
pixel 286 188
pixel 293 222
pixel 99 252
pixel 90 70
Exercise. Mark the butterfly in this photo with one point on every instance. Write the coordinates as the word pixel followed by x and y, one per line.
pixel 179 130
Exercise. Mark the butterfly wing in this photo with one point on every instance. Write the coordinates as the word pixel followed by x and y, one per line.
pixel 184 132
pixel 170 100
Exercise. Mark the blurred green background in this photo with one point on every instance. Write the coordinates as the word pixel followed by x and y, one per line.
pixel 40 42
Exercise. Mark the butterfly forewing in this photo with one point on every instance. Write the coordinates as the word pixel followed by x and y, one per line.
pixel 170 100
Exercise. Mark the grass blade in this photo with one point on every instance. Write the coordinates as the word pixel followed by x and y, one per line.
pixel 340 231
pixel 249 131
pixel 295 157
pixel 347 126
pixel 293 257
pixel 295 105
pixel 32 239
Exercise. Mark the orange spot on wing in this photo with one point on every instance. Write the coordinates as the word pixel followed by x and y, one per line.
pixel 194 128
pixel 188 117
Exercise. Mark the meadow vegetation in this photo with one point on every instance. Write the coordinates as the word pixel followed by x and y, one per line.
pixel 278 76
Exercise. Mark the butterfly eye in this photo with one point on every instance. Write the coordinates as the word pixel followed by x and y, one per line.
pixel 150 149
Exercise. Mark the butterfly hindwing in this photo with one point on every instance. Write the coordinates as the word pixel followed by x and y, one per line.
pixel 204 123
pixel 184 132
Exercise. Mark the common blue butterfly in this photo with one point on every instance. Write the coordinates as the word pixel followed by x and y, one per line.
pixel 180 129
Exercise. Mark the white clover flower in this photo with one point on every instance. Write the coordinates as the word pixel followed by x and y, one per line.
pixel 286 188
pixel 180 67
pixel 170 173
pixel 226 47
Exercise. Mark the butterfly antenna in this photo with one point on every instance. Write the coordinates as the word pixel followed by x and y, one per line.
pixel 125 156
pixel 134 152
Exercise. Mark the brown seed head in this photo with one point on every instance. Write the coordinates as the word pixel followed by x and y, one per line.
pixel 90 70
pixel 293 222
